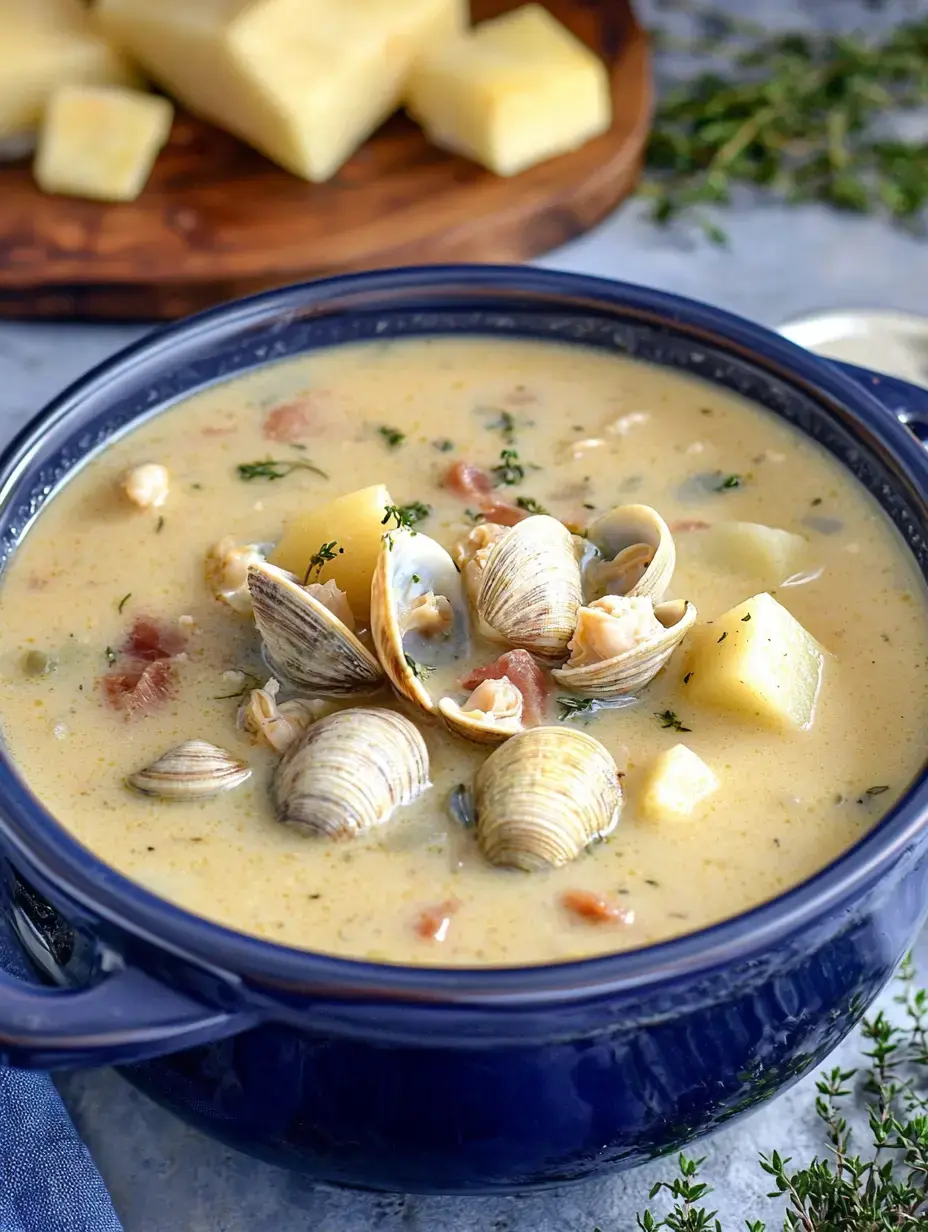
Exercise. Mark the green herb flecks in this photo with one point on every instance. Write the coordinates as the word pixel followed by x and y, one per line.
pixel 393 437
pixel 579 707
pixel 321 558
pixel 419 670
pixel 475 515
pixel 110 655
pixel 276 468
pixel 250 681
pixel 670 719
pixel 504 423
pixel 406 515
pixel 159 525
pixel 123 601
pixel 799 116
pixel 729 482
pixel 443 446
pixel 530 505
pixel 510 470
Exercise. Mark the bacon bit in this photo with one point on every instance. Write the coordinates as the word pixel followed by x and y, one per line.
pixel 466 479
pixel 151 642
pixel 596 907
pixel 530 679
pixel 433 922
pixel 294 421
pixel 502 512
pixel 139 689
pixel 685 524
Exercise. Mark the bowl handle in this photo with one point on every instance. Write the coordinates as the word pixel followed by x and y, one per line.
pixel 908 402
pixel 128 1016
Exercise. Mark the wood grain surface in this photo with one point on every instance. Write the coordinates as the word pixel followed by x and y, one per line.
pixel 218 220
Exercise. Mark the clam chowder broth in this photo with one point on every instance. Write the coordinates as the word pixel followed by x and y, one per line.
pixel 786 715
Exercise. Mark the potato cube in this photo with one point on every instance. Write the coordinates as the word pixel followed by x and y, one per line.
pixel 763 552
pixel 514 91
pixel 46 44
pixel 101 142
pixel 758 661
pixel 304 81
pixel 354 522
pixel 676 784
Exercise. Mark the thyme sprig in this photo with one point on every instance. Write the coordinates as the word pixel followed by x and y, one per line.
pixel 276 468
pixel 406 515
pixel 321 558
pixel 510 470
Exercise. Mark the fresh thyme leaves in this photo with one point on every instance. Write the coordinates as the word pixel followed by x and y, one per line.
pixel 505 423
pixel 123 601
pixel 406 515
pixel 722 638
pixel 110 655
pixel 322 557
pixel 530 505
pixel 571 707
pixel 688 677
pixel 276 468
pixel 475 515
pixel 393 437
pixel 250 681
pixel 730 481
pixel 159 525
pixel 670 719
pixel 800 118
pixel 419 670
pixel 746 618
pixel 510 470
pixel 877 791
pixel 443 446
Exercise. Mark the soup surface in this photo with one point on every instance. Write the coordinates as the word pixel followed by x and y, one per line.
pixel 586 431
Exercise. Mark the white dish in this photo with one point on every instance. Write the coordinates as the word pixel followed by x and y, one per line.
pixel 892 342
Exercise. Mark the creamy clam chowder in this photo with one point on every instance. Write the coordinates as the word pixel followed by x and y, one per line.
pixel 464 652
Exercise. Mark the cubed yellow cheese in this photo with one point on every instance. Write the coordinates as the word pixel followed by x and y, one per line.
pixel 354 522
pixel 45 44
pixel 757 661
pixel 763 552
pixel 676 784
pixel 512 92
pixel 100 141
pixel 305 81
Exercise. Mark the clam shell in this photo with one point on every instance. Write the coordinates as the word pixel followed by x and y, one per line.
pixel 543 796
pixel 193 770
pixel 410 566
pixel 637 544
pixel 304 641
pixel 349 772
pixel 530 589
pixel 631 671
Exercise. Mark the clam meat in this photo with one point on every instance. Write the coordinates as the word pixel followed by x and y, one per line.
pixel 194 770
pixel 305 638
pixel 491 714
pixel 278 724
pixel 545 795
pixel 226 569
pixel 349 772
pixel 638 555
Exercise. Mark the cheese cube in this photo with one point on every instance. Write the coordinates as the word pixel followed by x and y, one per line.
pixel 676 784
pixel 763 552
pixel 304 81
pixel 45 44
pixel 758 661
pixel 101 142
pixel 514 91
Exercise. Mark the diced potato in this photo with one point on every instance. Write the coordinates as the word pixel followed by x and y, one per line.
pixel 304 81
pixel 764 552
pixel 512 92
pixel 45 44
pixel 758 661
pixel 354 522
pixel 675 786
pixel 100 141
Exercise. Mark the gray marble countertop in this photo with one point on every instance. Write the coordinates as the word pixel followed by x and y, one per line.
pixel 165 1177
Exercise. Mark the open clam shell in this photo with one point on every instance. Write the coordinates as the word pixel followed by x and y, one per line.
pixel 543 796
pixel 530 587
pixel 349 772
pixel 630 671
pixel 304 641
pixel 420 621
pixel 194 770
pixel 638 553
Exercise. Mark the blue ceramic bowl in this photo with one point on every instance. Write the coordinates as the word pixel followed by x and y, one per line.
pixel 476 1080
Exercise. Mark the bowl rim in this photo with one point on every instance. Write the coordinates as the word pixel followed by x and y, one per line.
pixel 42 848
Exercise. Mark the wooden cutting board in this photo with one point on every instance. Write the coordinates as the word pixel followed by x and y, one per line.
pixel 218 220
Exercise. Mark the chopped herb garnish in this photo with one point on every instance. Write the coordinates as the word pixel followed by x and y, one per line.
pixel 570 707
pixel 474 515
pixel 416 578
pixel 877 791
pixel 110 655
pixel 530 505
pixel 816 501
pixel 746 618
pixel 393 437
pixel 322 557
pixel 587 505
pixel 506 424
pixel 276 468
pixel 419 670
pixel 688 677
pixel 443 446
pixel 706 410
pixel 730 481
pixel 510 470
pixel 251 681
pixel 159 525
pixel 197 487
pixel 123 601
pixel 722 638
pixel 669 718
pixel 406 515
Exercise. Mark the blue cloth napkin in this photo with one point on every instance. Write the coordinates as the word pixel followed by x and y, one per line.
pixel 48 1182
